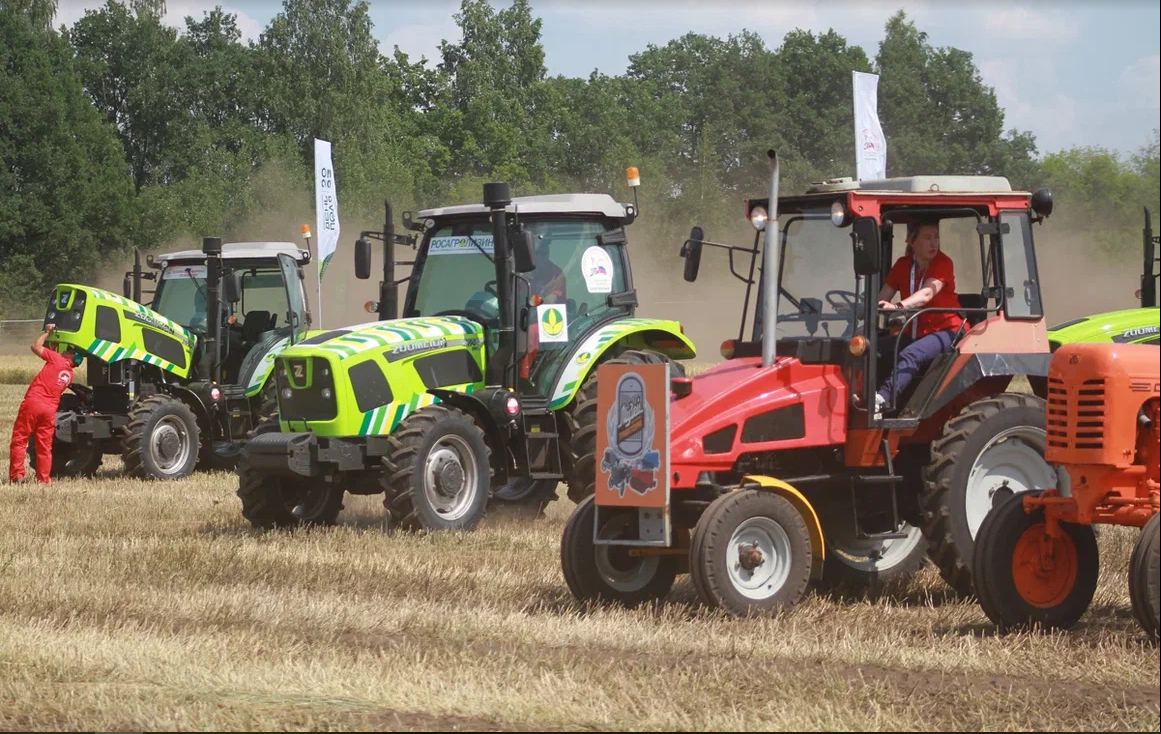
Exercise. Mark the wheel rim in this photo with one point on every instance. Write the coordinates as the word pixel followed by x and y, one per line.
pixel 619 570
pixel 1044 568
pixel 871 554
pixel 169 444
pixel 450 479
pixel 758 558
pixel 1011 463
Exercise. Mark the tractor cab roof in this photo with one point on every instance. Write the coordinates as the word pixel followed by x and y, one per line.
pixel 572 204
pixel 242 251
pixel 985 192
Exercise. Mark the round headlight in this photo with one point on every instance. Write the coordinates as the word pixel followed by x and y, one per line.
pixel 286 393
pixel 838 214
pixel 758 217
pixel 327 393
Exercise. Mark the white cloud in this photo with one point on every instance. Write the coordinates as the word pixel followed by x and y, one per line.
pixel 1142 81
pixel 1020 23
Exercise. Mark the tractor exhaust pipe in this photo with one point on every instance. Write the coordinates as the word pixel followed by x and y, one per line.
pixel 770 269
pixel 212 361
pixel 388 292
pixel 497 196
pixel 1148 279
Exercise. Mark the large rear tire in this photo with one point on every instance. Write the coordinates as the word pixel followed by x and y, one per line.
pixel 162 440
pixel 1016 588
pixel 437 474
pixel 751 553
pixel 602 573
pixel 862 565
pixel 270 502
pixel 1144 568
pixel 993 449
pixel 580 417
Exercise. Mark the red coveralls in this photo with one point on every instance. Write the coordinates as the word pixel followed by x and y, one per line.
pixel 38 415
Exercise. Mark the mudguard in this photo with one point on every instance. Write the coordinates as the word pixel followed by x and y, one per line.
pixel 662 335
pixel 809 516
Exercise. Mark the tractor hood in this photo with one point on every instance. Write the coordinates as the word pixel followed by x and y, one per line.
pixel 113 328
pixel 399 338
pixel 738 407
pixel 1120 327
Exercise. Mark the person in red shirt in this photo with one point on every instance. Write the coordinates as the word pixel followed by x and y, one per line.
pixel 925 278
pixel 37 415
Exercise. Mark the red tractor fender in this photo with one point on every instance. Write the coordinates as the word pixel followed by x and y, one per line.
pixel 809 516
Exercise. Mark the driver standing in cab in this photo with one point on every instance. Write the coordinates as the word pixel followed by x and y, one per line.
pixel 925 278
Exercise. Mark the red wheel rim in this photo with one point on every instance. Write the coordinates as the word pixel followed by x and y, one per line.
pixel 1044 568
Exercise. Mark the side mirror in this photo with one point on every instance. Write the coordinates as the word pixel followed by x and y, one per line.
pixel 232 287
pixel 865 238
pixel 362 259
pixel 691 251
pixel 127 286
pixel 523 252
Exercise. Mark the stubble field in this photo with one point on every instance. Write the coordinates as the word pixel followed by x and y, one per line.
pixel 134 606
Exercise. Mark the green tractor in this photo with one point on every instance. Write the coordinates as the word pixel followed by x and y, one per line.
pixel 1140 325
pixel 175 387
pixel 485 388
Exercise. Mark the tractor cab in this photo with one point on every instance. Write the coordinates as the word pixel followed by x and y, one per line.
pixel 261 293
pixel 836 245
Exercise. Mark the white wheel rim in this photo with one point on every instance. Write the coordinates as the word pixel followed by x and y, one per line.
pixel 1012 461
pixel 620 571
pixel 450 479
pixel 764 535
pixel 169 444
pixel 873 555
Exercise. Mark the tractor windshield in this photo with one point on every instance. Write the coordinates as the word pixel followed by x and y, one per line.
pixel 819 293
pixel 181 295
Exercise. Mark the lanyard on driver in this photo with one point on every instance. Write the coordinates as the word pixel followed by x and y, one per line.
pixel 915 287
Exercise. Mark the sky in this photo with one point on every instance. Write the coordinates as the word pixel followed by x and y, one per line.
pixel 1073 72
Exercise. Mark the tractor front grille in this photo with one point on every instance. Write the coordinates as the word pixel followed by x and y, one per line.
pixel 1076 415
pixel 306 389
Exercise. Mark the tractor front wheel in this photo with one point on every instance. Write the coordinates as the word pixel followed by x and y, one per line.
pixel 581 419
pixel 282 502
pixel 751 553
pixel 78 459
pixel 608 573
pixel 992 450
pixel 1026 577
pixel 1143 577
pixel 162 440
pixel 437 474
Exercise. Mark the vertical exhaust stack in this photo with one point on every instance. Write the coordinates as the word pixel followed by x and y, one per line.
pixel 388 293
pixel 211 357
pixel 497 196
pixel 770 269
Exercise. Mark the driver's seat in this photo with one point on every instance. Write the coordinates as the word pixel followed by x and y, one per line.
pixel 973 300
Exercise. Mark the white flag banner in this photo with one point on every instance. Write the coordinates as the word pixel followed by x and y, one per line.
pixel 326 204
pixel 870 145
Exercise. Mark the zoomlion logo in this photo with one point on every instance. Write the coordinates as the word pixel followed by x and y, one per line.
pixel 551 321
pixel 420 345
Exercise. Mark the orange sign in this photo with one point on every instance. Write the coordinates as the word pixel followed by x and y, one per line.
pixel 632 435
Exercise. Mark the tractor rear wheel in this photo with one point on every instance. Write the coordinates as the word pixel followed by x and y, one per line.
pixel 162 440
pixel 604 573
pixel 283 502
pixel 580 417
pixel 1143 577
pixel 528 494
pixel 866 564
pixel 437 474
pixel 750 553
pixel 1024 577
pixel 993 449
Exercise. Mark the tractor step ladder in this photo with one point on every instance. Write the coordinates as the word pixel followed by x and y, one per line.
pixel 542 445
pixel 892 480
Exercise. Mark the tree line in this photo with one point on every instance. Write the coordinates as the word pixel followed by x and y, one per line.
pixel 121 131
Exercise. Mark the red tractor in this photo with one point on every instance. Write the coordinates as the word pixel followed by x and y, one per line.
pixel 775 471
pixel 1036 558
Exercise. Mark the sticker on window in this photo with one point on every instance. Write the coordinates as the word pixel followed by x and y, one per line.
pixel 460 245
pixel 598 270
pixel 184 272
pixel 553 321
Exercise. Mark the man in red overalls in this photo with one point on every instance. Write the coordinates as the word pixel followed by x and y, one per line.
pixel 38 410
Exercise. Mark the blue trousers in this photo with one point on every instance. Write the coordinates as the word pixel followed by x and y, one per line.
pixel 911 358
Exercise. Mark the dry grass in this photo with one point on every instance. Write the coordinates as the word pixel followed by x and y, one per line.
pixel 126 605
pixel 19 369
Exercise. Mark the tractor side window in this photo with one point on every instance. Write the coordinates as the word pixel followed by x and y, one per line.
pixel 1020 278
pixel 264 304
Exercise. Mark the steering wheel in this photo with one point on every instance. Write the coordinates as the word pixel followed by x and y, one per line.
pixel 849 298
pixel 491 289
pixel 466 314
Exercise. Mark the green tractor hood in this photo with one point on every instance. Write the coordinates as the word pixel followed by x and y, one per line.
pixel 1130 326
pixel 113 328
pixel 362 380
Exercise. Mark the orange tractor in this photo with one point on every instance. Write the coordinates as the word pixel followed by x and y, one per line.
pixel 1036 556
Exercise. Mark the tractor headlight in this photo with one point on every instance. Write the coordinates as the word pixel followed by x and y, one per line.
pixel 327 393
pixel 758 217
pixel 838 214
pixel 287 393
